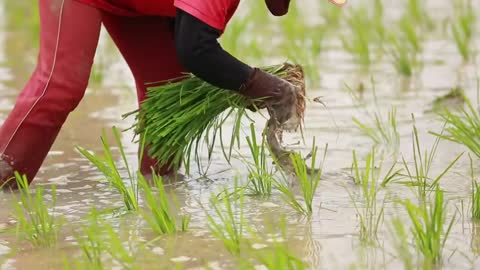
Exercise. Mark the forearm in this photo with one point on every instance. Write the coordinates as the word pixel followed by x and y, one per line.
pixel 200 53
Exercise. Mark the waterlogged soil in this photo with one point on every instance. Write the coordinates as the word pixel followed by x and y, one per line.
pixel 330 239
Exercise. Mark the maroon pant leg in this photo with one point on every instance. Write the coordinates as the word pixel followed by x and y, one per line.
pixel 69 33
pixel 147 44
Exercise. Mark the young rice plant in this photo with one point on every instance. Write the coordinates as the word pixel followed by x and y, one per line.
pixel 370 214
pixel 35 222
pixel 358 42
pixel 277 255
pixel 422 163
pixel 463 127
pixel 308 180
pixel 228 223
pixel 404 47
pixel 92 244
pixel 475 194
pixel 106 164
pixel 260 177
pixel 99 239
pixel 401 243
pixel 463 27
pixel 430 229
pixel 161 216
pixel 382 132
pixel 418 14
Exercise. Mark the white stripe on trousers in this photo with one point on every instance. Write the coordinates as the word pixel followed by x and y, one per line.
pixel 47 83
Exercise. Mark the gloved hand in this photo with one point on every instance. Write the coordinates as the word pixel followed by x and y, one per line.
pixel 276 94
pixel 278 7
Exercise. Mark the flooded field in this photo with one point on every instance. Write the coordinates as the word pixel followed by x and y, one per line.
pixel 362 61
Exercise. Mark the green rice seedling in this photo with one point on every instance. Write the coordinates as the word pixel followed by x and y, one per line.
pixel 377 21
pixel 21 17
pixel 300 35
pixel 161 216
pixel 231 40
pixel 410 34
pixel 367 33
pixel 257 13
pixel 121 253
pixel 382 132
pixel 180 117
pixel 276 255
pixel 475 242
pixel 372 171
pixel 392 175
pixel 228 224
pixel 260 177
pixel 358 41
pixel 370 214
pixel 405 46
pixel 106 164
pixel 244 39
pixel 101 245
pixel 429 228
pixel 475 193
pixel 418 14
pixel 308 181
pixel 403 58
pixel 401 243
pixel 92 245
pixel 462 127
pixel 463 26
pixel 331 14
pixel 76 264
pixel 422 161
pixel 35 222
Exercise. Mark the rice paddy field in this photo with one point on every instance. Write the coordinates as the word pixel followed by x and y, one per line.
pixel 395 141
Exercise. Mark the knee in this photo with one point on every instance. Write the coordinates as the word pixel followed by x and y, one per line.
pixel 72 69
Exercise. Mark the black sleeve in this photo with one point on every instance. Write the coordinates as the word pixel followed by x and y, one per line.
pixel 200 53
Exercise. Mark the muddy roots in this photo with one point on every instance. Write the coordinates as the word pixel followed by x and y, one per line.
pixel 295 75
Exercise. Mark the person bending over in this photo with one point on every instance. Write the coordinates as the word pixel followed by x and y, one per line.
pixel 159 39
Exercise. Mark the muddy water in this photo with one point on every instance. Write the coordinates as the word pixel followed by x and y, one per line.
pixel 330 239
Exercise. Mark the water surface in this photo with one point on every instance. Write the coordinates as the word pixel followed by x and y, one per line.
pixel 330 239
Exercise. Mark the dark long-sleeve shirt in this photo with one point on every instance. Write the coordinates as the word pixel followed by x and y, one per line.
pixel 200 53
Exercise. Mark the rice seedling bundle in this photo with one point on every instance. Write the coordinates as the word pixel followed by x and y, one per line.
pixel 182 115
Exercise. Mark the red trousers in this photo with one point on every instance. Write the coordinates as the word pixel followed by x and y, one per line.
pixel 69 33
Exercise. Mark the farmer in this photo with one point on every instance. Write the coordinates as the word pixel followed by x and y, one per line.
pixel 159 39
